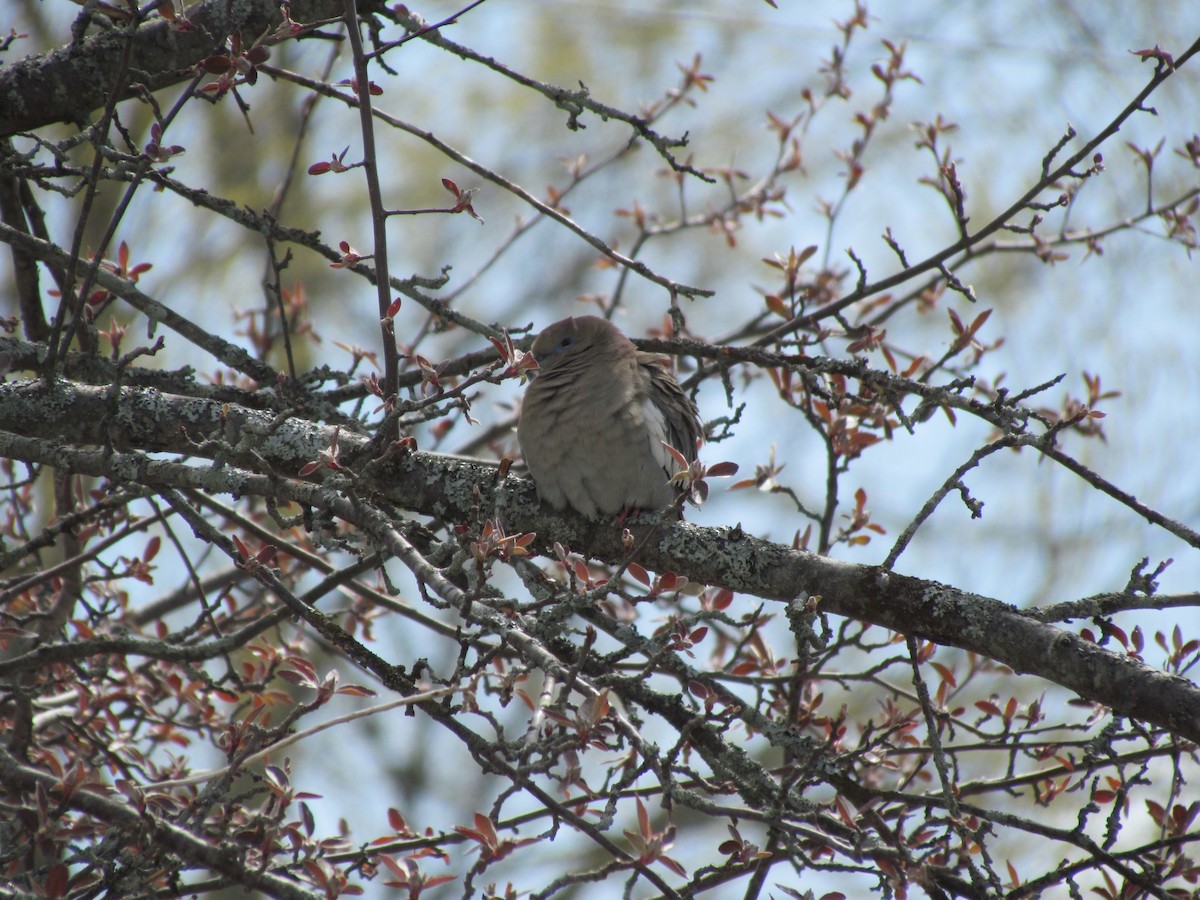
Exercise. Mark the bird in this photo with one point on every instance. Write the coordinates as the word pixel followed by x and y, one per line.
pixel 594 420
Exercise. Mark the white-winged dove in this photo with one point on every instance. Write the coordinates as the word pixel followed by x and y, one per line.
pixel 594 420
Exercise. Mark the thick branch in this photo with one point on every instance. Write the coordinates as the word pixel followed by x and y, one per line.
pixel 66 84
pixel 452 489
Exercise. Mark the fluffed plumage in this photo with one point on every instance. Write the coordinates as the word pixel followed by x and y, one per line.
pixel 594 419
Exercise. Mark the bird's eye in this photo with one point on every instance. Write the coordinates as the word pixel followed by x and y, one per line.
pixel 566 342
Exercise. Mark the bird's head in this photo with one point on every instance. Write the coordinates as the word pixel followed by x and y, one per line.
pixel 572 337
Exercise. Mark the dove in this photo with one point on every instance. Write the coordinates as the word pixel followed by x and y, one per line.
pixel 595 418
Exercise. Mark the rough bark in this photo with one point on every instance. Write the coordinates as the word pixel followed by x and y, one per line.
pixel 37 421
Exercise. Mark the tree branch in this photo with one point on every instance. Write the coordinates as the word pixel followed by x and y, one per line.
pixel 226 859
pixel 66 84
pixel 35 422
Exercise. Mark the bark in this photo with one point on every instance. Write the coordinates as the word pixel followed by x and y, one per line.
pixel 67 84
pixel 38 423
